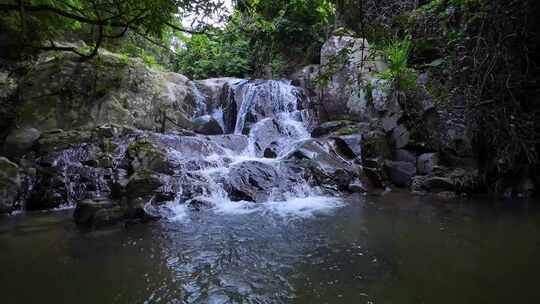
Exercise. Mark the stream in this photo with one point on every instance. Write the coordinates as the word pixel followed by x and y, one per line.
pixel 396 248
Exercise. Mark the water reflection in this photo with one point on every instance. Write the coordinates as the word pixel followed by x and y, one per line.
pixel 394 249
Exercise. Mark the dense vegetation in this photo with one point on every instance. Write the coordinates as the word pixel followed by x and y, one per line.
pixel 480 57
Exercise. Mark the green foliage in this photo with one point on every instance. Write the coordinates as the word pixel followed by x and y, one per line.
pixel 261 36
pixel 224 52
pixel 284 34
pixel 397 54
pixel 97 22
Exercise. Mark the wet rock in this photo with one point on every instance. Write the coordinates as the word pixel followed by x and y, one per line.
pixel 329 127
pixel 325 168
pixel 427 163
pixel 192 146
pixel 198 204
pixel 433 184
pixel 271 151
pixel 58 139
pixel 143 184
pixel 145 155
pixel 97 212
pixel 319 151
pixel 207 125
pixel 348 146
pixel 357 187
pixel 265 134
pixel 252 181
pixel 20 140
pixel 10 183
pixel 51 190
pixel 400 173
pixel 234 142
pixel 248 102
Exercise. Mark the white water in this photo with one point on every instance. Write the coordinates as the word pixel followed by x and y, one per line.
pixel 274 105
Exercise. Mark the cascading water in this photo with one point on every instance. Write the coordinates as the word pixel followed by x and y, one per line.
pixel 268 124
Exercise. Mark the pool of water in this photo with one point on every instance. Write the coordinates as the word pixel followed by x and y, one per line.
pixel 396 248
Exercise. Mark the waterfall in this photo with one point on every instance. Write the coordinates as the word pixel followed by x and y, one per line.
pixel 268 123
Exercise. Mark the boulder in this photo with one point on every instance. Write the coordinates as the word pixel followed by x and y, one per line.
pixel 343 97
pixel 252 181
pixel 433 184
pixel 330 127
pixel 348 146
pixel 427 163
pixel 97 212
pixel 10 183
pixel 143 184
pixel 207 125
pixel 58 95
pixel 324 166
pixel 400 173
pixel 20 140
pixel 145 156
pixel 375 144
pixel 357 187
pixel 401 136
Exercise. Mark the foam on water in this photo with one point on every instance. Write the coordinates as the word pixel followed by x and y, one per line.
pixel 304 206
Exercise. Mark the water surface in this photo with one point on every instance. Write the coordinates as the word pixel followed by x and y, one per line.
pixel 392 249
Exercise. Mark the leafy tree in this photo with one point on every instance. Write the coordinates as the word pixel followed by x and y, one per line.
pixel 222 52
pixel 284 34
pixel 98 21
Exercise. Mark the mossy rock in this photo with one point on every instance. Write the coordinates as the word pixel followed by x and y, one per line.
pixel 143 184
pixel 57 140
pixel 146 156
pixel 375 144
pixel 346 131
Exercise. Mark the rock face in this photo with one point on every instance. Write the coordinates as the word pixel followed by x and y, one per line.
pixel 117 172
pixel 62 92
pixel 10 183
pixel 351 67
pixel 214 89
